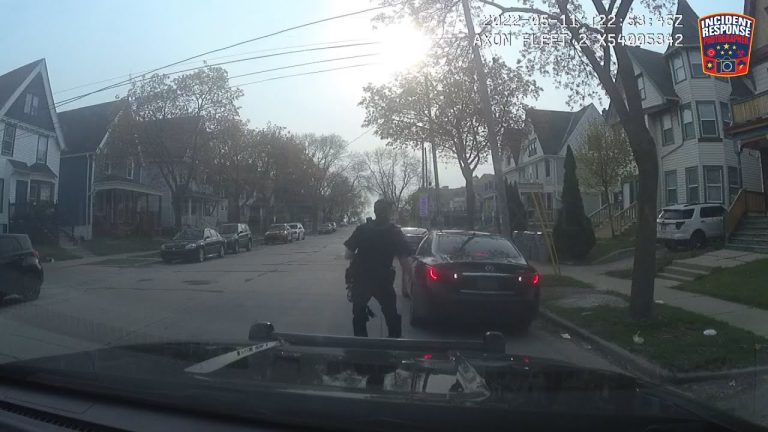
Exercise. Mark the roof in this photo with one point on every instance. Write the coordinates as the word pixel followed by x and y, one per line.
pixel 511 140
pixel 35 168
pixel 740 89
pixel 689 24
pixel 554 127
pixel 10 81
pixel 85 128
pixel 655 68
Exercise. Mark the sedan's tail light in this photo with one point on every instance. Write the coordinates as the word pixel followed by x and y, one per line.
pixel 36 253
pixel 431 273
pixel 535 279
pixel 530 278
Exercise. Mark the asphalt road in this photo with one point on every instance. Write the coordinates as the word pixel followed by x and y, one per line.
pixel 299 287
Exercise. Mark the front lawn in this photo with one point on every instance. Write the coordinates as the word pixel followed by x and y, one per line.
pixel 673 338
pixel 553 281
pixel 746 284
pixel 103 247
pixel 605 247
pixel 56 253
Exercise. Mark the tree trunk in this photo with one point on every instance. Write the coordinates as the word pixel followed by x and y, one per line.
pixel 470 198
pixel 178 203
pixel 610 212
pixel 490 121
pixel 644 269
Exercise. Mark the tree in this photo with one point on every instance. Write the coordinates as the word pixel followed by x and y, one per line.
pixel 518 216
pixel 604 160
pixel 233 154
pixel 391 174
pixel 171 122
pixel 438 104
pixel 326 153
pixel 594 54
pixel 573 233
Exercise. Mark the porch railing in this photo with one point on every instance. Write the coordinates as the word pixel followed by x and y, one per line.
pixel 751 109
pixel 600 216
pixel 625 218
pixel 745 202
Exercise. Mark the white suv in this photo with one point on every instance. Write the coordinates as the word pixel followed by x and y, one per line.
pixel 690 224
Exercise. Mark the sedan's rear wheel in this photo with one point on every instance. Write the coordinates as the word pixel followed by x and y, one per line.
pixel 32 285
pixel 249 246
pixel 236 247
pixel 200 255
pixel 221 251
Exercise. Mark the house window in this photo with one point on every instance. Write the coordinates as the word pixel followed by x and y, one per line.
pixel 129 168
pixel 641 86
pixel 670 182
pixel 42 149
pixel 725 111
pixel 707 119
pixel 734 183
pixel 713 182
pixel 696 70
pixel 9 138
pixel 40 191
pixel 667 135
pixel 686 122
pixel 692 184
pixel 31 104
pixel 532 147
pixel 678 69
pixel 547 168
pixel 108 167
pixel 2 195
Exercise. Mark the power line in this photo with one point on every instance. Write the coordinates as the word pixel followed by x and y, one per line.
pixel 128 82
pixel 307 73
pixel 232 46
pixel 302 64
pixel 361 135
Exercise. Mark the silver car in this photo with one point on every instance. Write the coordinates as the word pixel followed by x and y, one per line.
pixel 297 231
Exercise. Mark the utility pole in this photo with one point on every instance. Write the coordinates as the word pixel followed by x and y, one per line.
pixel 437 185
pixel 490 121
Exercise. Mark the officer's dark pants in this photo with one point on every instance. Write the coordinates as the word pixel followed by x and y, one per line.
pixel 385 295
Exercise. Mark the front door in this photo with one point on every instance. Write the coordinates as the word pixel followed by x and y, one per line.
pixel 21 191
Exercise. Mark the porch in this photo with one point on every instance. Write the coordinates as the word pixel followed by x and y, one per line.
pixel 122 208
pixel 204 211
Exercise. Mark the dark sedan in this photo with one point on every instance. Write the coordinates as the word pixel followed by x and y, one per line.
pixel 193 244
pixel 472 274
pixel 414 236
pixel 237 236
pixel 278 233
pixel 20 270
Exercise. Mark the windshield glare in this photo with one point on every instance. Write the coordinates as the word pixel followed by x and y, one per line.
pixel 189 234
pixel 476 247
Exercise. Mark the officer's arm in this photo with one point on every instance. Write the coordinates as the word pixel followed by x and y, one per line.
pixel 351 245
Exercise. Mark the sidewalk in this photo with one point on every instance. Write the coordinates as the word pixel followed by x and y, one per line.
pixel 738 315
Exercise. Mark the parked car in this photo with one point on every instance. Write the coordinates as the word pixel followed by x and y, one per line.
pixel 325 228
pixel 194 244
pixel 278 233
pixel 237 236
pixel 475 275
pixel 20 270
pixel 414 236
pixel 297 231
pixel 690 224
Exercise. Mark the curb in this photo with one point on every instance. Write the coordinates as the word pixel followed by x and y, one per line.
pixel 653 372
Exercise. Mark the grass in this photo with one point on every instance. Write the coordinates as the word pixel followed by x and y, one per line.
pixel 555 281
pixel 674 337
pixel 103 247
pixel 56 253
pixel 745 284
pixel 604 247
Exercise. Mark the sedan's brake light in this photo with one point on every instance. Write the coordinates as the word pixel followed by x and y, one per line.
pixel 431 273
pixel 535 279
pixel 35 253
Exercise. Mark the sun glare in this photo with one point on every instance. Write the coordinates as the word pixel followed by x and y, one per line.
pixel 403 46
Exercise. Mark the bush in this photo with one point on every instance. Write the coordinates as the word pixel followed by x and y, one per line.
pixel 517 214
pixel 573 233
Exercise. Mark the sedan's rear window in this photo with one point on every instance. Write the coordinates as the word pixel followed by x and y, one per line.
pixel 476 247
pixel 277 227
pixel 189 234
pixel 675 214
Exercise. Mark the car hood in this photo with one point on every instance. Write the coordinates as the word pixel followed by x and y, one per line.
pixel 228 236
pixel 271 377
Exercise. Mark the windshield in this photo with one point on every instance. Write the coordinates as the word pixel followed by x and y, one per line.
pixel 476 247
pixel 228 229
pixel 574 174
pixel 189 234
pixel 677 214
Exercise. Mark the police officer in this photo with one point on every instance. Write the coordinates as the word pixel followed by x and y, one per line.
pixel 371 248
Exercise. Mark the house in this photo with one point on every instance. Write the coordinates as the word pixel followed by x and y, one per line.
pixel 485 188
pixel 535 160
pixel 113 191
pixel 746 225
pixel 106 194
pixel 29 154
pixel 689 115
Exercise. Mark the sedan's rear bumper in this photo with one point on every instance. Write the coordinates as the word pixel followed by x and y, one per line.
pixel 492 304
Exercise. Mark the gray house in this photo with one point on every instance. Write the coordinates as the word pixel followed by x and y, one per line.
pixel 29 154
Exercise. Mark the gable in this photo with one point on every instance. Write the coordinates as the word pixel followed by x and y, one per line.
pixel 42 118
pixel 10 81
pixel 85 128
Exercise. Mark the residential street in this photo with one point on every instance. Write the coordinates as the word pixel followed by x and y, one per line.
pixel 298 287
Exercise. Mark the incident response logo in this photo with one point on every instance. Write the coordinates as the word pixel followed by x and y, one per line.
pixel 726 43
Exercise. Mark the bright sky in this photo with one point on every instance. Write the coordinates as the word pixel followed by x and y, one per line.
pixel 87 41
